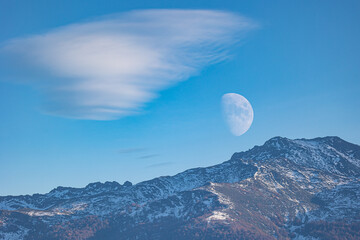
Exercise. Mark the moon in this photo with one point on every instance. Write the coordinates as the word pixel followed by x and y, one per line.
pixel 238 113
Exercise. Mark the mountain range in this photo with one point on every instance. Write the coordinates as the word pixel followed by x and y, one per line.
pixel 284 189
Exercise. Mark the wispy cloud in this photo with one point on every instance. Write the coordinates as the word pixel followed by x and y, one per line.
pixel 160 164
pixel 110 68
pixel 149 156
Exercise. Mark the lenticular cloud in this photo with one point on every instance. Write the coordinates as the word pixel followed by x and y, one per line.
pixel 110 68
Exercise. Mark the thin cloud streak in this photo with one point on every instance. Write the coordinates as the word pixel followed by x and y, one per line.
pixel 110 68
pixel 149 156
pixel 162 164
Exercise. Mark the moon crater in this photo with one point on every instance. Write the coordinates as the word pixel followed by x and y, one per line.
pixel 238 113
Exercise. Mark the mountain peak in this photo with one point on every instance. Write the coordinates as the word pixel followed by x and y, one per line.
pixel 277 138
pixel 127 184
pixel 278 142
pixel 331 154
pixel 284 141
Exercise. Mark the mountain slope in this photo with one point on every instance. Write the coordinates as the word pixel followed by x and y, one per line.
pixel 284 189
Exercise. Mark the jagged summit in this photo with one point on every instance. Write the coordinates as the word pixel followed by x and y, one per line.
pixel 330 154
pixel 326 139
pixel 277 139
pixel 127 184
pixel 283 142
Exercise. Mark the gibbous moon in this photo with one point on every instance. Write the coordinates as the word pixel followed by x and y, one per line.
pixel 238 113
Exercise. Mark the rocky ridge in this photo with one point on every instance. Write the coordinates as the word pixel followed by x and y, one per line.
pixel 284 189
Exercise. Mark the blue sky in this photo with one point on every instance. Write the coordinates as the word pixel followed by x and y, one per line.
pixel 298 66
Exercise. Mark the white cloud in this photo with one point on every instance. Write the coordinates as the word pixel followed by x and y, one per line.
pixel 110 68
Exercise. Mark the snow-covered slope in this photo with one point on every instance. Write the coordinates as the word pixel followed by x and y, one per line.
pixel 274 191
pixel 331 154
